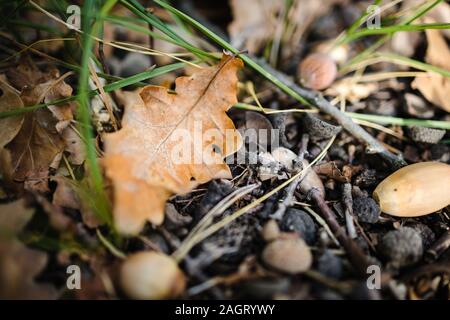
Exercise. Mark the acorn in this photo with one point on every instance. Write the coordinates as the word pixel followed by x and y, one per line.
pixel 317 71
pixel 415 190
pixel 151 275
pixel 291 255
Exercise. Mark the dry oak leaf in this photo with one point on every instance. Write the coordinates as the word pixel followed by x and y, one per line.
pixel 142 160
pixel 435 87
pixel 10 126
pixel 36 147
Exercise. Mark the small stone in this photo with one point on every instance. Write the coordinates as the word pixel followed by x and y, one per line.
pixel 318 129
pixel 367 178
pixel 402 247
pixel 428 236
pixel 366 209
pixel 426 135
pixel 270 231
pixel 440 152
pixel 299 221
pixel 330 265
pixel 288 255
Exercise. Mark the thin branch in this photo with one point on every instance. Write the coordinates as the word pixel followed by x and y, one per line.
pixel 373 145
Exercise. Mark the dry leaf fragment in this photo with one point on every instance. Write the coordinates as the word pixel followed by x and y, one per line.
pixel 254 23
pixel 44 133
pixel 14 216
pixel 19 266
pixel 9 127
pixel 435 88
pixel 157 127
pixel 37 146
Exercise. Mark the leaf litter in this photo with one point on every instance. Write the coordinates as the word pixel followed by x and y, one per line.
pixel 260 228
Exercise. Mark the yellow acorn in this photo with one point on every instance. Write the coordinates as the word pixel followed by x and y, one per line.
pixel 415 190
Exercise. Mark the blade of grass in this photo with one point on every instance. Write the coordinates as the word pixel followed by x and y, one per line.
pixel 307 97
pixel 393 29
pixel 140 11
pixel 419 13
pixel 361 116
pixel 90 27
pixel 401 121
pixel 224 44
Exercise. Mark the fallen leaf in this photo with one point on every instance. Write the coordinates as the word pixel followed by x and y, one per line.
pixel 72 194
pixel 65 195
pixel 74 146
pixel 37 146
pixel 157 127
pixel 19 266
pixel 44 134
pixel 302 14
pixel 9 127
pixel 254 22
pixel 14 216
pixel 435 87
pixel 352 91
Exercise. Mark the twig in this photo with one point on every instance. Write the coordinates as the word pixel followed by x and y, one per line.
pixel 289 199
pixel 180 254
pixel 284 83
pixel 354 253
pixel 348 204
pixel 373 145
pixel 440 246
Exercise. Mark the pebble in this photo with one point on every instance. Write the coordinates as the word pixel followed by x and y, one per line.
pixel 440 152
pixel 330 265
pixel 299 221
pixel 402 247
pixel 367 178
pixel 428 236
pixel 288 255
pixel 426 135
pixel 366 209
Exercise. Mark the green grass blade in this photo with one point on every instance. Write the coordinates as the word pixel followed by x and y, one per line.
pixel 91 29
pixel 140 11
pixel 224 44
pixel 401 121
pixel 393 29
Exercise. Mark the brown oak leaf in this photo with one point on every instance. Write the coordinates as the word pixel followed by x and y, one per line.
pixel 171 143
pixel 9 100
pixel 37 139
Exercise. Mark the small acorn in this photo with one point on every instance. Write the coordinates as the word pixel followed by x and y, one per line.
pixel 151 275
pixel 317 71
pixel 415 190
pixel 291 255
